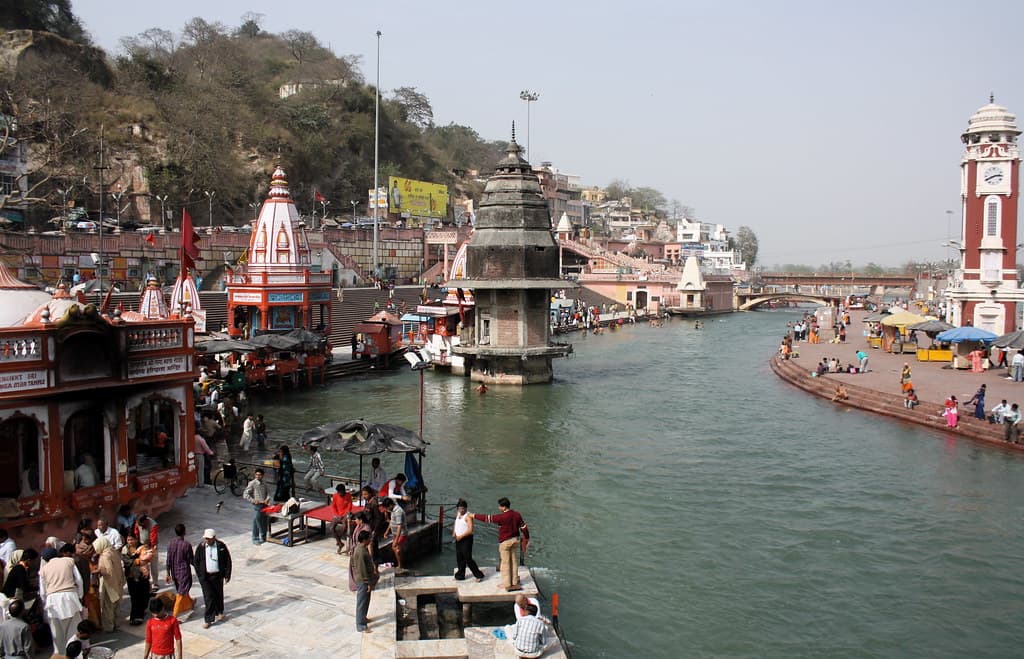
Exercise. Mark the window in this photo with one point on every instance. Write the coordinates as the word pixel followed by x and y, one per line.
pixel 19 457
pixel 151 435
pixel 485 330
pixel 992 205
pixel 8 184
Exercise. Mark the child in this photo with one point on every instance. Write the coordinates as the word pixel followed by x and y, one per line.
pixel 163 633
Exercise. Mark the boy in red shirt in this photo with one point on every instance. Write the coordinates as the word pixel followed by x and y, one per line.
pixel 163 634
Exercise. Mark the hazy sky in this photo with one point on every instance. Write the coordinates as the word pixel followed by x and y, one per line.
pixel 831 129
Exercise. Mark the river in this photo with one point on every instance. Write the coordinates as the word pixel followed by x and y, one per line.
pixel 686 502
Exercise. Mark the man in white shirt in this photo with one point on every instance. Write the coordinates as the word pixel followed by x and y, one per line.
pixel 1017 366
pixel 998 412
pixel 113 535
pixel 7 547
pixel 378 476
pixel 519 608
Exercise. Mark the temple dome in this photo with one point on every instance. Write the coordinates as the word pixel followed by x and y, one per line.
pixel 992 118
pixel 278 241
pixel 17 299
pixel 55 308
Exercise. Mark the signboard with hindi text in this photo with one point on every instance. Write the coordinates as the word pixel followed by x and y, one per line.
pixel 417 198
pixel 145 368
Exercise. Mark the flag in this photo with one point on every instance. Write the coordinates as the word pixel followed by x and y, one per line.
pixel 318 198
pixel 151 240
pixel 189 240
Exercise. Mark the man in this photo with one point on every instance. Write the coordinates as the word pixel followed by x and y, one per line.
pixel 1017 366
pixel 261 432
pixel 15 636
pixel 180 558
pixel 862 358
pixel 213 569
pixel 377 476
pixel 998 412
pixel 396 488
pixel 18 583
pixel 103 530
pixel 248 432
pixel 1010 419
pixel 364 573
pixel 83 636
pixel 509 523
pixel 528 634
pixel 7 547
pixel 519 608
pixel 61 589
pixel 258 494
pixel 316 469
pixel 396 529
pixel 205 456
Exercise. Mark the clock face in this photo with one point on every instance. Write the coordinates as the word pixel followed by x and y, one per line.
pixel 993 175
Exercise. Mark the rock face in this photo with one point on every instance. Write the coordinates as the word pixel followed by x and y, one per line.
pixel 20 47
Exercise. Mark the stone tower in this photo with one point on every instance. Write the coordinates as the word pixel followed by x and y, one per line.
pixel 512 265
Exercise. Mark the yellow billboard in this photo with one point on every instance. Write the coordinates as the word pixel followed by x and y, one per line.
pixel 417 198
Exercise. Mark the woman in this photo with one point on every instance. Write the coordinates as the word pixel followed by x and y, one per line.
pixel 137 559
pixel 979 403
pixel 111 574
pixel 285 475
pixel 462 530
pixel 951 412
pixel 125 520
pixel 905 377
pixel 85 554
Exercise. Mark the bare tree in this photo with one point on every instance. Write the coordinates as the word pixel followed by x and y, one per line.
pixel 303 46
pixel 414 107
pixel 252 24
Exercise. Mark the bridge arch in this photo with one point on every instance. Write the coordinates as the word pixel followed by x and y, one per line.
pixel 756 301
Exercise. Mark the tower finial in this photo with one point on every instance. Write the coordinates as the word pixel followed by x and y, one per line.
pixel 513 130
pixel 991 97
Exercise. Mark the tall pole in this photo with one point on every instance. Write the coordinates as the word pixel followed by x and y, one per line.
pixel 163 213
pixel 949 237
pixel 210 194
pixel 117 209
pixel 376 159
pixel 101 169
pixel 354 204
pixel 529 97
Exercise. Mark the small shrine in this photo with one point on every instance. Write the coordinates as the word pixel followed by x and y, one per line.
pixel 511 265
pixel 277 291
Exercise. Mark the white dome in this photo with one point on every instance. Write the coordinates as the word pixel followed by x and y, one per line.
pixel 992 118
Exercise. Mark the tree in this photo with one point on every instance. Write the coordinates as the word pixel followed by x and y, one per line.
pixel 414 107
pixel 251 25
pixel 648 199
pixel 45 15
pixel 618 189
pixel 746 244
pixel 303 46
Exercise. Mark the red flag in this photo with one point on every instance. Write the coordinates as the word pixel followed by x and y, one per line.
pixel 319 198
pixel 189 239
pixel 151 240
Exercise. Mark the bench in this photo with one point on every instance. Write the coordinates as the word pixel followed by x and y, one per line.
pixel 296 529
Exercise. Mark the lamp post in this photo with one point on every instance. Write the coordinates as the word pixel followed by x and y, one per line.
pixel 210 194
pixel 949 230
pixel 376 159
pixel 117 210
pixel 323 214
pixel 354 204
pixel 64 192
pixel 529 97
pixel 254 205
pixel 163 212
pixel 101 168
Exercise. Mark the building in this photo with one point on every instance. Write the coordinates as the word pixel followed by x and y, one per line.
pixel 278 290
pixel 984 291
pixel 512 265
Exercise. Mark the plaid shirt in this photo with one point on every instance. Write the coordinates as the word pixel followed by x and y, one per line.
pixel 316 463
pixel 529 634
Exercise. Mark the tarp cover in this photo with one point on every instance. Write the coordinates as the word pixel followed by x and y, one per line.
pixel 364 438
pixel 224 345
pixel 961 334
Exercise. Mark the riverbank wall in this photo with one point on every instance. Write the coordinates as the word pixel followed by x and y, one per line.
pixel 927 413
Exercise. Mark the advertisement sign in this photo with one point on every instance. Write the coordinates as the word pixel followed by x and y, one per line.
pixel 381 198
pixel 417 198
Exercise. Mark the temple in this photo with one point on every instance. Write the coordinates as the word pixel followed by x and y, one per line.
pixel 511 266
pixel 277 289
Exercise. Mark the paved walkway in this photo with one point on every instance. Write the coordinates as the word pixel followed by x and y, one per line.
pixel 933 381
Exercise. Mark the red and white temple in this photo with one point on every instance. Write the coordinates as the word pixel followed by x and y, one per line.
pixel 277 290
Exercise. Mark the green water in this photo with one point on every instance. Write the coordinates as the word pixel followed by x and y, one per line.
pixel 684 502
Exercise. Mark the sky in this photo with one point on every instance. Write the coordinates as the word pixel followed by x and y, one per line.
pixel 830 129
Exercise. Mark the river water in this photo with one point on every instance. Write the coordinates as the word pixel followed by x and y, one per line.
pixel 685 502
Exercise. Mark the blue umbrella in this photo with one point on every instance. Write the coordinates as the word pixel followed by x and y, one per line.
pixel 961 334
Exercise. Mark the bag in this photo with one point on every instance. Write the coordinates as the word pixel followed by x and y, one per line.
pixel 183 603
pixel 290 507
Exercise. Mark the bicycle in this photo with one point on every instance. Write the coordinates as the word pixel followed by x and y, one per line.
pixel 232 477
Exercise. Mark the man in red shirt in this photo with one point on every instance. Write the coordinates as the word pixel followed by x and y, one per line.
pixel 509 524
pixel 163 634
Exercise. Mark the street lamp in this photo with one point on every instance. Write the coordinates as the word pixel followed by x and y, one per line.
pixel 354 204
pixel 529 97
pixel 254 205
pixel 163 213
pixel 64 209
pixel 376 167
pixel 210 194
pixel 117 200
pixel 323 213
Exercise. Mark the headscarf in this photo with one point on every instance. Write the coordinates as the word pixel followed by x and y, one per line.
pixel 54 542
pixel 15 559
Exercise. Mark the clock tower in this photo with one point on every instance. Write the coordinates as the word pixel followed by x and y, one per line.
pixel 984 291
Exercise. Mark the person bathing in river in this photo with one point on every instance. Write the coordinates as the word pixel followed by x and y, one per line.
pixel 840 393
pixel 951 412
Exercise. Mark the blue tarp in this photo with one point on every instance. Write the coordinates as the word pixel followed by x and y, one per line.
pixel 961 334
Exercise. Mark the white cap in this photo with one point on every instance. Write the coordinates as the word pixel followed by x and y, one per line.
pixel 209 533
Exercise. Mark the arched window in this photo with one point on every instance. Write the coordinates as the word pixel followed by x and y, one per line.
pixel 85 449
pixel 993 206
pixel 20 472
pixel 152 429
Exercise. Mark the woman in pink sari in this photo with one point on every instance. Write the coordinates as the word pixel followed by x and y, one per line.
pixel 951 412
pixel 976 357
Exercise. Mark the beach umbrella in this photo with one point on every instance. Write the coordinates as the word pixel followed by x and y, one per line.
pixel 931 326
pixel 901 319
pixel 1011 340
pixel 962 334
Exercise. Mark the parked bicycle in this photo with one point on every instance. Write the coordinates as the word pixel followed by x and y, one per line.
pixel 231 477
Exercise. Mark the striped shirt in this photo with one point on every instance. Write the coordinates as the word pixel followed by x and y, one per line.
pixel 316 463
pixel 529 634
